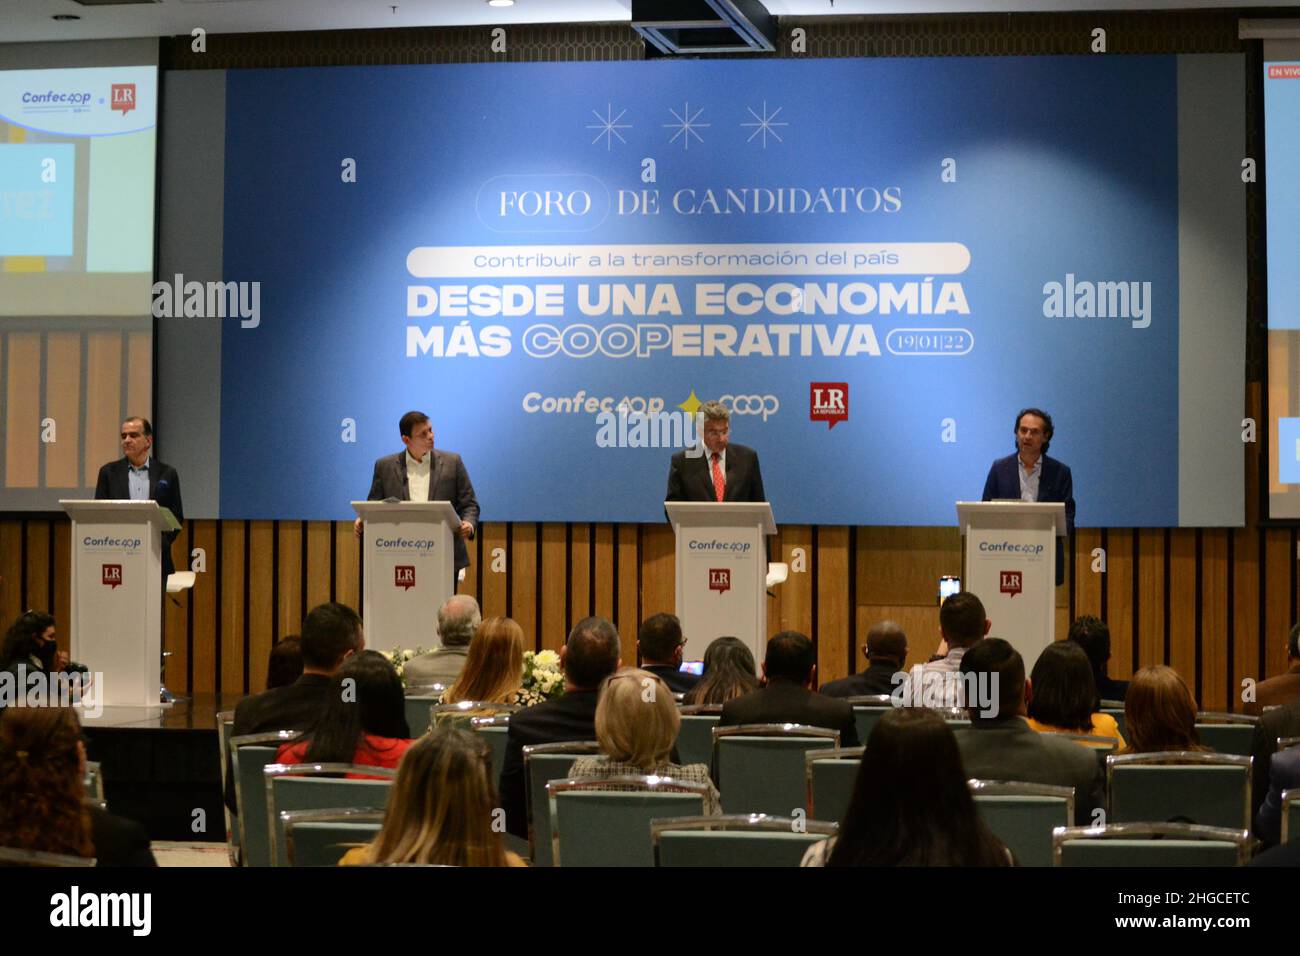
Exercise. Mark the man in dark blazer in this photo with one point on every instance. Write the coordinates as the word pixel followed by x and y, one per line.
pixel 440 475
pixel 1000 744
pixel 138 476
pixel 1283 775
pixel 331 633
pixel 1030 475
pixel 725 472
pixel 660 643
pixel 1281 721
pixel 589 656
pixel 1282 688
pixel 789 669
pixel 886 652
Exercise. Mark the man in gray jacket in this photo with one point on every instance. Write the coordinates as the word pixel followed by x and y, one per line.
pixel 1000 744
pixel 458 619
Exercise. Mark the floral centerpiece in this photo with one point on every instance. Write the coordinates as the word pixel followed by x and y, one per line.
pixel 399 656
pixel 542 674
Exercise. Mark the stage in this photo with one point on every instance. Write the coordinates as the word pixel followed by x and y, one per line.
pixel 162 769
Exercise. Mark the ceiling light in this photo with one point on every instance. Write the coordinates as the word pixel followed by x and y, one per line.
pixel 500 3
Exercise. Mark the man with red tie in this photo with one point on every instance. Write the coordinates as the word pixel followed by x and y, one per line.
pixel 725 472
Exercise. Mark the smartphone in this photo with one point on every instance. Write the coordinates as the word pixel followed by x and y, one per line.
pixel 948 585
pixel 692 667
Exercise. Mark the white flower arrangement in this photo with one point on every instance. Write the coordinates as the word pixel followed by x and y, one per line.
pixel 399 656
pixel 542 674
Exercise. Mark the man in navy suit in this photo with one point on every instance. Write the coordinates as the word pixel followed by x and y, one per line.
pixel 725 472
pixel 1030 475
pixel 139 476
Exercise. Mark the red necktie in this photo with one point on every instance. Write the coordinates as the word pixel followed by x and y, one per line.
pixel 719 483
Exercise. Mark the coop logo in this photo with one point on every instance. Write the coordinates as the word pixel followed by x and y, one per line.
pixel 404 576
pixel 828 402
pixel 765 405
pixel 1010 582
pixel 123 97
pixel 719 579
pixel 112 575
pixel 405 544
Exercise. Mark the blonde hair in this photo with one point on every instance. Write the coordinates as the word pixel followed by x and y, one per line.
pixel 1160 712
pixel 442 803
pixel 637 719
pixel 494 665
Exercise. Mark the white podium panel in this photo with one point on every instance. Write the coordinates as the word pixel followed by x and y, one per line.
pixel 116 627
pixel 1010 559
pixel 721 572
pixel 409 563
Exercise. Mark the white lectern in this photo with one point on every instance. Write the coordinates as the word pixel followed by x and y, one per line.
pixel 409 565
pixel 721 571
pixel 117 591
pixel 1011 564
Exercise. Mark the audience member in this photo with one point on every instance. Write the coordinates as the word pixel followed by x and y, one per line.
pixel 1000 744
pixel 729 673
pixel 590 654
pixel 458 619
pixel 1283 688
pixel 660 642
pixel 494 667
pixel 636 725
pixel 1284 775
pixel 1159 713
pixel 886 652
pixel 962 622
pixel 42 794
pixel 30 648
pixel 331 633
pixel 1065 695
pixel 1283 721
pixel 790 669
pixel 363 720
pixel 285 664
pixel 441 808
pixel 1093 635
pixel 911 805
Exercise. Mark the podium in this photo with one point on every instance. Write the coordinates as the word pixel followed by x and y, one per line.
pixel 117 592
pixel 721 571
pixel 1010 563
pixel 409 565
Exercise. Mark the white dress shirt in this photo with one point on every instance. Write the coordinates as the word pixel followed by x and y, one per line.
pixel 417 477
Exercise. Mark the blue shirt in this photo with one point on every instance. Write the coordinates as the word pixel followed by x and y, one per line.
pixel 1029 479
pixel 138 478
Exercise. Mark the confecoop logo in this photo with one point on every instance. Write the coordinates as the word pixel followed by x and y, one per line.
pixel 123 97
pixel 828 402
pixel 112 575
pixel 404 576
pixel 1010 582
pixel 719 579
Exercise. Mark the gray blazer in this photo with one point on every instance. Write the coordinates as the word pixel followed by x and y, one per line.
pixel 442 666
pixel 1007 748
pixel 448 481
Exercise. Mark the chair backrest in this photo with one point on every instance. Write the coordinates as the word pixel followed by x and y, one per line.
pixel 867 711
pixel 606 821
pixel 317 786
pixel 830 776
pixel 494 730
pixel 695 738
pixel 1150 844
pixel 761 768
pixel 1023 815
pixel 1291 815
pixel 14 856
pixel 417 712
pixel 460 714
pixel 1227 733
pixel 1285 742
pixel 1207 789
pixel 1104 744
pixel 739 840
pixel 542 764
pixel 225 725
pixel 250 753
pixel 321 837
pixel 94 781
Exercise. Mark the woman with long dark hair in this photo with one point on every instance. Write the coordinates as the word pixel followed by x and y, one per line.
pixel 364 720
pixel 1063 694
pixel 728 673
pixel 911 805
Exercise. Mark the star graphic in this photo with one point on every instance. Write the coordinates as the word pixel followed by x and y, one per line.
pixel 686 125
pixel 691 405
pixel 764 124
pixel 609 126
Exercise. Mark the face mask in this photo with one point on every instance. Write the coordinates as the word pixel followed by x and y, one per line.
pixel 45 654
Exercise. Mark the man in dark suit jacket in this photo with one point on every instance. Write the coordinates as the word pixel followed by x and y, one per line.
pixel 1000 744
pixel 790 668
pixel 660 642
pixel 440 474
pixel 1281 688
pixel 886 652
pixel 589 656
pixel 1029 475
pixel 1283 775
pixel 725 472
pixel 331 633
pixel 1282 721
pixel 141 477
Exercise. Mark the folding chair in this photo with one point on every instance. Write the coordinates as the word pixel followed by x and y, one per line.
pixel 1227 733
pixel 1150 845
pixel 1024 815
pixel 317 786
pixel 867 711
pixel 249 753
pixel 749 840
pixel 761 768
pixel 695 738
pixel 606 821
pixel 831 776
pixel 542 764
pixel 1206 789
pixel 321 837
pixel 494 730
